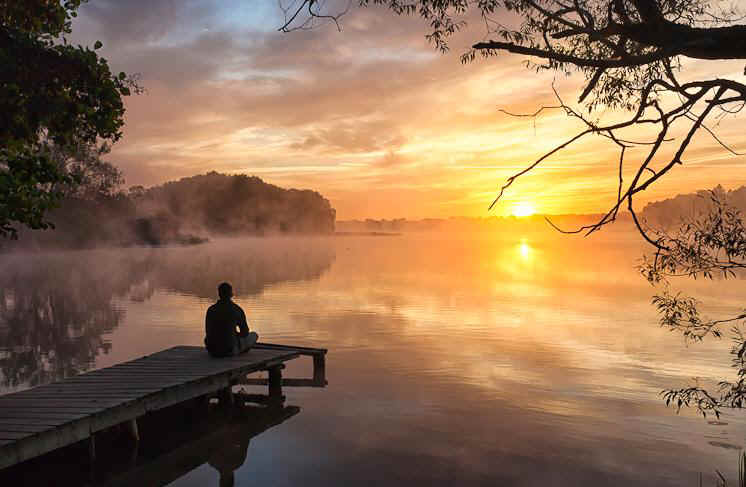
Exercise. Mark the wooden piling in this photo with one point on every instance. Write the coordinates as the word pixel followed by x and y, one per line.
pixel 92 449
pixel 132 430
pixel 275 382
pixel 319 369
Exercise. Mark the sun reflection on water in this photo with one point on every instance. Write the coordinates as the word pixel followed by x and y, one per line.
pixel 525 250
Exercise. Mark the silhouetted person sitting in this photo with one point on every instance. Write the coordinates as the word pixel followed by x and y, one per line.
pixel 225 326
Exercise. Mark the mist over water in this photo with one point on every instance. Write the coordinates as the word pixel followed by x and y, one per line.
pixel 58 310
pixel 483 359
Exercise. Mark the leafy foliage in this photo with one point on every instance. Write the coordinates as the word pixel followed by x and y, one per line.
pixel 54 99
pixel 711 245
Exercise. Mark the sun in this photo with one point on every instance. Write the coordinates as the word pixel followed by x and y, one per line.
pixel 523 209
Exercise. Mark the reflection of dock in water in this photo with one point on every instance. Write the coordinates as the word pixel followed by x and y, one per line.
pixel 222 443
pixel 175 441
pixel 46 418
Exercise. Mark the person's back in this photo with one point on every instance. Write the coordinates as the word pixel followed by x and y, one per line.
pixel 222 338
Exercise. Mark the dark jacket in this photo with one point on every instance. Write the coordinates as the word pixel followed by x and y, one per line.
pixel 221 321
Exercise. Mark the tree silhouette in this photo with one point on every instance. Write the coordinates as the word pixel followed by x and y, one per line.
pixel 54 99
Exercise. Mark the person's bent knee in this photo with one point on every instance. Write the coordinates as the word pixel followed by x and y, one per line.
pixel 248 341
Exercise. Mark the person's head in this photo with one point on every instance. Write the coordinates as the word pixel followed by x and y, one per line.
pixel 225 290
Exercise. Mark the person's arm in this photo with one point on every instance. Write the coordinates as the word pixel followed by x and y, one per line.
pixel 207 324
pixel 242 325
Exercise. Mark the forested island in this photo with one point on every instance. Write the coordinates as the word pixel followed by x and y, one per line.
pixel 186 211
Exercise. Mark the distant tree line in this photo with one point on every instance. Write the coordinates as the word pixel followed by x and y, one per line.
pixel 186 211
pixel 464 224
pixel 684 207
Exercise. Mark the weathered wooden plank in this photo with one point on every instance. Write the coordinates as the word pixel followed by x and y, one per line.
pixel 285 382
pixel 84 394
pixel 152 370
pixel 177 371
pixel 49 415
pixel 103 388
pixel 116 415
pixel 186 370
pixel 43 442
pixel 14 435
pixel 83 385
pixel 172 363
pixel 276 346
pixel 31 428
pixel 33 421
pixel 176 395
pixel 145 378
pixel 134 382
pixel 63 408
pixel 63 402
pixel 59 405
pixel 115 378
pixel 46 398
pixel 206 360
pixel 92 387
pixel 38 413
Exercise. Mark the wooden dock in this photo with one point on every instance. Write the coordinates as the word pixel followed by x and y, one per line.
pixel 43 419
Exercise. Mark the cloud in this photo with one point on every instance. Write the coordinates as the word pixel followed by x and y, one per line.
pixel 138 23
pixel 374 105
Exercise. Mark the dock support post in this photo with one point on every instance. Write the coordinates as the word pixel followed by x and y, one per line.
pixel 226 396
pixel 319 369
pixel 275 383
pixel 92 448
pixel 132 430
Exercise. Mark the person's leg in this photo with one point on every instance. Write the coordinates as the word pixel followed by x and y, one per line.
pixel 245 343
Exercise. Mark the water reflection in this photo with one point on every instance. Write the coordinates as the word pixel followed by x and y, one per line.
pixel 215 444
pixel 457 360
pixel 221 442
pixel 57 308
pixel 249 264
pixel 53 315
pixel 524 250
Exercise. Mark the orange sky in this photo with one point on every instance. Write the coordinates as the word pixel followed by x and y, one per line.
pixel 372 117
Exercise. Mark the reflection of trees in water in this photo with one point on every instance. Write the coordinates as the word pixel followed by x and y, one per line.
pixel 56 308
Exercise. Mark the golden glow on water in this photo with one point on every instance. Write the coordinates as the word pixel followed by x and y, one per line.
pixel 525 250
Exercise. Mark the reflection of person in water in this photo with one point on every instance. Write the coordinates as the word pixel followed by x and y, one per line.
pixel 230 456
pixel 225 326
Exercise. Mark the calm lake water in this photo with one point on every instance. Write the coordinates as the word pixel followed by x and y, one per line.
pixel 521 359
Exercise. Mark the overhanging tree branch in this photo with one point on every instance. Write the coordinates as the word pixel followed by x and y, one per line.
pixel 630 53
